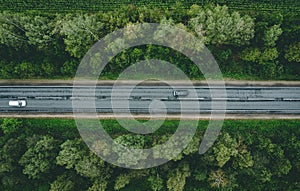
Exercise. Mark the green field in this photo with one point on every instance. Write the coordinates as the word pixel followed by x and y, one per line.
pixel 106 5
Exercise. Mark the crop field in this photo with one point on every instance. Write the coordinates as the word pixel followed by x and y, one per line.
pixel 107 5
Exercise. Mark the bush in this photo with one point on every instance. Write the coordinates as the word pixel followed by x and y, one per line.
pixel 268 70
pixel 10 125
pixel 47 69
pixel 25 70
pixel 69 68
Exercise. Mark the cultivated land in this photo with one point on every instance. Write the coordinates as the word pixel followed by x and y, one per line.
pixel 106 5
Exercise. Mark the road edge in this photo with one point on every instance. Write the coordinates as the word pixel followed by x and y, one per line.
pixel 149 82
pixel 168 117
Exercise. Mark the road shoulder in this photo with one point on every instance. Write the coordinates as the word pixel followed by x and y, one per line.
pixel 43 82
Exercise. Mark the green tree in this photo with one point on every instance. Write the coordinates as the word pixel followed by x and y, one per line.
pixel 125 178
pixel 266 61
pixel 121 17
pixel 269 54
pixel 220 180
pixel 72 151
pixel 177 12
pixel 12 31
pixel 168 151
pixel 251 54
pixel 224 149
pixel 152 15
pixel 11 125
pixel 39 31
pixel 269 160
pixel 292 53
pixel 98 185
pixel 93 167
pixel 69 68
pixel 122 180
pixel 193 146
pixel 40 158
pixel 244 158
pixel 130 141
pixel 217 26
pixel 156 182
pixel 25 70
pixel 177 177
pixel 271 35
pixel 10 154
pixel 269 69
pixel 194 10
pixel 47 69
pixel 13 181
pixel 63 182
pixel 80 32
pixel 200 174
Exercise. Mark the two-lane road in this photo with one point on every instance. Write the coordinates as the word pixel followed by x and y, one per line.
pixel 239 99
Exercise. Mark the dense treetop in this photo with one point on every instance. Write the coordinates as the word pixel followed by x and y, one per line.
pixel 39 154
pixel 247 45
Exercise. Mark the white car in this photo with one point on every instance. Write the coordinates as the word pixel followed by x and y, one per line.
pixel 17 103
pixel 178 93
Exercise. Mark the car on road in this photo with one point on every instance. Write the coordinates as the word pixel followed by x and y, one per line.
pixel 179 93
pixel 17 103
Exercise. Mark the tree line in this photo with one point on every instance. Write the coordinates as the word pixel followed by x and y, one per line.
pixel 248 45
pixel 49 154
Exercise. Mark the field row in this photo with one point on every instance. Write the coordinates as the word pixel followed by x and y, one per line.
pixel 106 5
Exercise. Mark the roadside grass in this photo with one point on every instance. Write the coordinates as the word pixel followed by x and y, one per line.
pixel 66 128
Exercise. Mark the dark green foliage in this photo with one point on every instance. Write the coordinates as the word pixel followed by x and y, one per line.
pixel 246 44
pixel 293 52
pixel 40 157
pixel 72 151
pixel 156 182
pixel 248 155
pixel 177 177
pixel 69 68
pixel 63 182
pixel 10 125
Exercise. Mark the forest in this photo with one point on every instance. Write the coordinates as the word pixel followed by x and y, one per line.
pixel 48 154
pixel 247 44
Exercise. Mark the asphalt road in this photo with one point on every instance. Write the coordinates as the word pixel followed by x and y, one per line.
pixel 152 99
